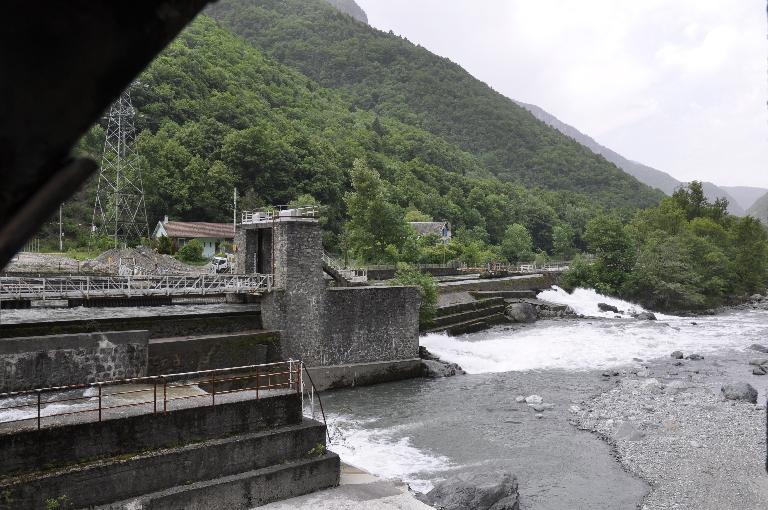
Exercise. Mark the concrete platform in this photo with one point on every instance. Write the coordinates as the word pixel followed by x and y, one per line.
pixel 357 489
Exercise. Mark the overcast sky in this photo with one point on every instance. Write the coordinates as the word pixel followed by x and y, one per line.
pixel 679 85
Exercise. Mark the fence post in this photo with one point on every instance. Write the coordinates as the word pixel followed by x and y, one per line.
pixel 99 402
pixel 38 409
pixel 213 388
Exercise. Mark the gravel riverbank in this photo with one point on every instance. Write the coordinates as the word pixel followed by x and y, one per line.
pixel 670 426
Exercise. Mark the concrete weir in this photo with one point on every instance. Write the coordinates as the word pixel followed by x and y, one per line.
pixel 345 335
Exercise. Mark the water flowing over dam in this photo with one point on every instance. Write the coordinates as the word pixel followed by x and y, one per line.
pixel 424 432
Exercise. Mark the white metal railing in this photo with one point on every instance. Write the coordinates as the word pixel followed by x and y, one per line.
pixel 351 274
pixel 66 287
pixel 279 211
pixel 528 268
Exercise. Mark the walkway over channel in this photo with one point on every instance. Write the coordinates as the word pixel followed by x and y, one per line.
pixel 86 287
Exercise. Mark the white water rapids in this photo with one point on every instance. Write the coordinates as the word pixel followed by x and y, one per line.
pixel 603 342
pixel 598 342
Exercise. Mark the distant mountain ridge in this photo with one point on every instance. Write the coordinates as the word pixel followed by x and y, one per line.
pixel 759 209
pixel 350 7
pixel 645 174
pixel 746 196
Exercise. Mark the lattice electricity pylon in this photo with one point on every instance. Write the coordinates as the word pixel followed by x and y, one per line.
pixel 120 210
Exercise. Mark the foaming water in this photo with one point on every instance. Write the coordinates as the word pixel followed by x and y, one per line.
pixel 383 451
pixel 596 343
pixel 585 301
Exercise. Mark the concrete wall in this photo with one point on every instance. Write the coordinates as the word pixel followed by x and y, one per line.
pixel 175 355
pixel 44 449
pixel 364 324
pixel 529 282
pixel 56 360
pixel 387 273
pixel 107 482
pixel 159 326
pixel 296 309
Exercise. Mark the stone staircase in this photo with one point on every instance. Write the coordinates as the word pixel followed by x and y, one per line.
pixel 468 317
pixel 233 456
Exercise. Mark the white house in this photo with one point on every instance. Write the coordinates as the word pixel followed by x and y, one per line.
pixel 441 229
pixel 211 235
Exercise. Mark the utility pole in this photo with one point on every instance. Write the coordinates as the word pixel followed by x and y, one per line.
pixel 120 209
pixel 234 212
pixel 61 238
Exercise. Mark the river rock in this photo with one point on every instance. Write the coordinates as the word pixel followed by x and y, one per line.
pixel 604 307
pixel 645 316
pixel 677 355
pixel 758 361
pixel 694 357
pixel 436 369
pixel 739 391
pixel 534 399
pixel 759 348
pixel 477 491
pixel 758 371
pixel 521 312
pixel 756 297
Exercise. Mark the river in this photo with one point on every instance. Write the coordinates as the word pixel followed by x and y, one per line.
pixel 423 431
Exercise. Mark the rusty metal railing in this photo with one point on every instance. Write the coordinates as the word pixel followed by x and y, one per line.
pixel 158 391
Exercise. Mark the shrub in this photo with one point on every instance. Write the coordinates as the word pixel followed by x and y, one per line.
pixel 165 246
pixel 191 252
pixel 410 276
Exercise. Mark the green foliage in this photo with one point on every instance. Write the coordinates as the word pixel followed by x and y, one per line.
pixel 317 451
pixel 517 244
pixel 685 254
pixel 562 240
pixel 395 78
pixel 191 252
pixel 410 276
pixel 376 230
pixel 413 214
pixel 165 246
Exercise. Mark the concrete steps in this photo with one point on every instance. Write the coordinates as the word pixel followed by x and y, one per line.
pixel 468 317
pixel 245 490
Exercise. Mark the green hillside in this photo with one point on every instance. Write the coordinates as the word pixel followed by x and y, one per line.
pixel 215 114
pixel 759 209
pixel 387 74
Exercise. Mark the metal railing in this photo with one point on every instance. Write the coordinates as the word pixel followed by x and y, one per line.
pixel 279 211
pixel 351 274
pixel 85 287
pixel 528 268
pixel 156 396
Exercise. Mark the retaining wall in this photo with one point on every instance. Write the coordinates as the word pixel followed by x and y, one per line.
pixel 34 450
pixel 159 326
pixel 57 360
pixel 190 354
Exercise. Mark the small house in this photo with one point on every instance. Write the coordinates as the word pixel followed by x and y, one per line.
pixel 442 229
pixel 211 235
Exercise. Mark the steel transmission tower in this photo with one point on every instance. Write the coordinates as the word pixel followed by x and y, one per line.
pixel 120 210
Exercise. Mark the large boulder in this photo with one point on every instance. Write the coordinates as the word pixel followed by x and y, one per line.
pixel 645 316
pixel 435 369
pixel 759 348
pixel 521 312
pixel 604 307
pixel 476 491
pixel 739 391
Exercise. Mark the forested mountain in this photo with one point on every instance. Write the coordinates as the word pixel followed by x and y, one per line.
pixel 645 174
pixel 216 114
pixel 350 7
pixel 387 74
pixel 760 209
pixel 746 196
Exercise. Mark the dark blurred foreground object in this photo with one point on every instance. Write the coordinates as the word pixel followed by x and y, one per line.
pixel 61 65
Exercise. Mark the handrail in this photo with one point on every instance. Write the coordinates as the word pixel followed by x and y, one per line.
pixel 72 286
pixel 314 392
pixel 278 211
pixel 279 375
